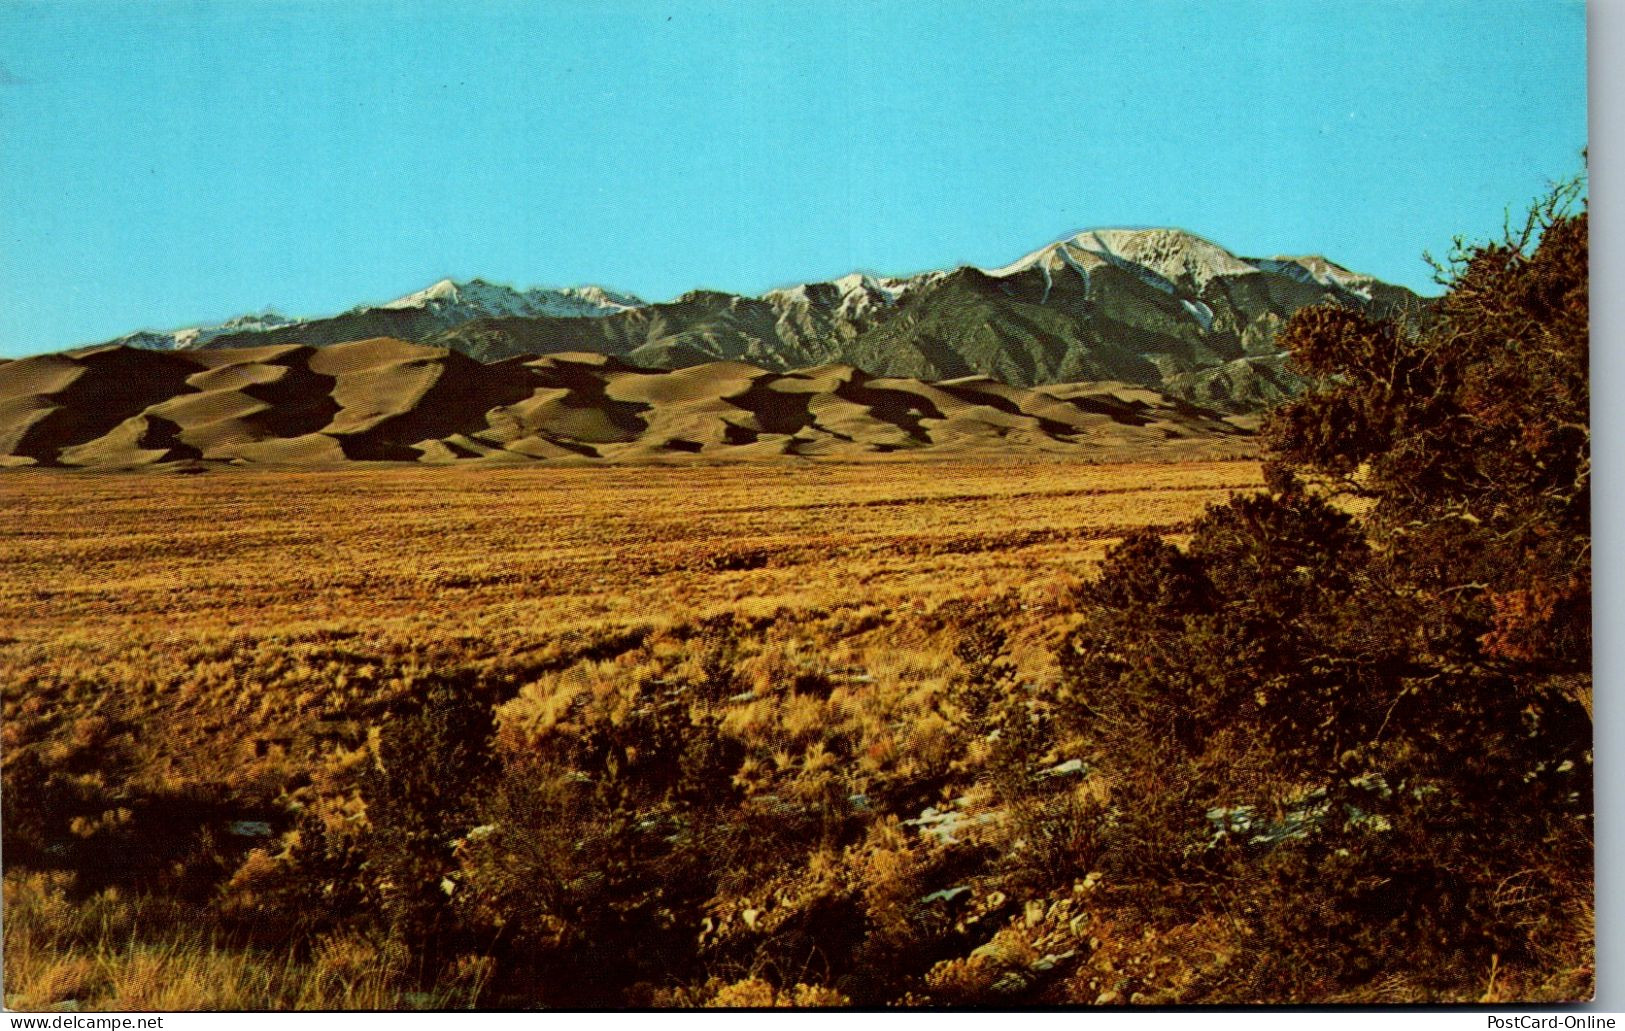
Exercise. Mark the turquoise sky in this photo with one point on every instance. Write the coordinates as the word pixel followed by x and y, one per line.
pixel 164 163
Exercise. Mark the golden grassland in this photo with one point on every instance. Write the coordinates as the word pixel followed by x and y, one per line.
pixel 213 621
pixel 447 551
pixel 181 654
pixel 232 630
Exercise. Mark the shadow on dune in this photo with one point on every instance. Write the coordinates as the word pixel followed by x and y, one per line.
pixel 391 400
pixel 301 399
pixel 776 411
pixel 898 407
pixel 116 384
pixel 457 403
pixel 999 402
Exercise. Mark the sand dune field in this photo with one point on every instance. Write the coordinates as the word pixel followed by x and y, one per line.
pixel 388 400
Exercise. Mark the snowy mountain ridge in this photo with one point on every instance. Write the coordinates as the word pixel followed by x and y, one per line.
pixel 1163 308
pixel 480 299
pixel 447 301
pixel 1173 260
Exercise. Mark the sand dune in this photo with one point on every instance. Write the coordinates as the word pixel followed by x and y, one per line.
pixel 390 400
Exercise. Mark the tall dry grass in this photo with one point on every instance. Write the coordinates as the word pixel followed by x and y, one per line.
pixel 139 952
pixel 184 656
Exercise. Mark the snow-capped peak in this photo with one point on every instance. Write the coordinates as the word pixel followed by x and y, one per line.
pixel 442 292
pixel 477 298
pixel 1318 271
pixel 195 336
pixel 1164 257
pixel 475 292
pixel 1176 261
pixel 449 301
pixel 857 293
pixel 1174 254
pixel 266 319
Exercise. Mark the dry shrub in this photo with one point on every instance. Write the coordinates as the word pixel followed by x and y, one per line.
pixel 893 879
pixel 1128 963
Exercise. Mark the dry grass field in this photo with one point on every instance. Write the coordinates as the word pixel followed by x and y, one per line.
pixel 203 613
pixel 510 554
pixel 209 688
pixel 199 650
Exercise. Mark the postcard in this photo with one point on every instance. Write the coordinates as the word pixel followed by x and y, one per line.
pixel 627 506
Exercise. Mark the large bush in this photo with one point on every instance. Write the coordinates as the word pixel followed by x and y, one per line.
pixel 1353 711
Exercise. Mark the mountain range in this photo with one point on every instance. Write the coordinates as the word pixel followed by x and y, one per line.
pixel 1160 308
